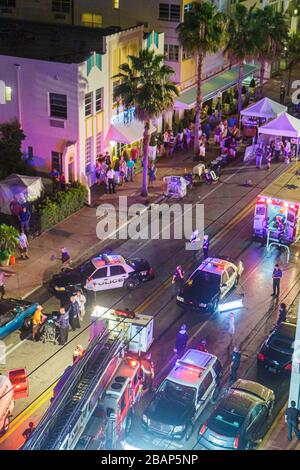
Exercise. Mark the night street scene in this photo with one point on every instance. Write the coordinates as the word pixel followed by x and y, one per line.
pixel 149 228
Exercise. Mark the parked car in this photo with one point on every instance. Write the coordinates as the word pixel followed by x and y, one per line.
pixel 237 421
pixel 193 382
pixel 14 315
pixel 209 283
pixel 100 273
pixel 275 354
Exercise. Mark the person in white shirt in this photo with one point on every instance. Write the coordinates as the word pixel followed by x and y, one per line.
pixel 110 174
pixel 81 299
pixel 23 245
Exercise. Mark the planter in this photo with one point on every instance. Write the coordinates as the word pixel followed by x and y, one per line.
pixel 12 260
pixel 152 152
pixel 5 262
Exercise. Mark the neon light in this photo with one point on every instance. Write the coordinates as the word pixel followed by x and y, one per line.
pixel 232 305
pixel 269 201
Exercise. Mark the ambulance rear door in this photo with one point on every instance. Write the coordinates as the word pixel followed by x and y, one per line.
pixel 290 225
pixel 259 218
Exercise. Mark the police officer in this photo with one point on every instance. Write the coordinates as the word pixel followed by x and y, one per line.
pixel 181 340
pixel 63 326
pixel 74 311
pixel 177 280
pixel 205 246
pixel 235 364
pixel 292 420
pixel 277 275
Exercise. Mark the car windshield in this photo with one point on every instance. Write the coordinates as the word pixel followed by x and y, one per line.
pixel 178 392
pixel 282 344
pixel 202 277
pixel 227 419
pixel 87 269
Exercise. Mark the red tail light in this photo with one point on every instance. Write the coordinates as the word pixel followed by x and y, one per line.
pixel 236 442
pixel 261 357
pixel 288 367
pixel 202 429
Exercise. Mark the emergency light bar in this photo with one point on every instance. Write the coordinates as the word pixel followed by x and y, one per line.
pixel 231 305
pixel 277 202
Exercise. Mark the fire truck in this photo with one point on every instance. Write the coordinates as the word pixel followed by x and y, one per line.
pixel 276 216
pixel 93 402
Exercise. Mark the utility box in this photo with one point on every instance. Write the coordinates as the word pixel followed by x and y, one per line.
pixel 137 328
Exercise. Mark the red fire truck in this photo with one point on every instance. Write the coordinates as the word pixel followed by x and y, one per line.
pixel 277 209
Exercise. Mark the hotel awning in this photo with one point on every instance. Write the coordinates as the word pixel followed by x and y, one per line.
pixel 212 86
pixel 127 133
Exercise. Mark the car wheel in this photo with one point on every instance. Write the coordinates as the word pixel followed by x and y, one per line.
pixel 189 432
pixel 27 323
pixel 131 284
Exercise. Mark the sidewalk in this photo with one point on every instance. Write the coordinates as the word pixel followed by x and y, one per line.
pixel 276 438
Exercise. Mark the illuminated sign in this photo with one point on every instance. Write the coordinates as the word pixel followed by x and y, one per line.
pixel 124 117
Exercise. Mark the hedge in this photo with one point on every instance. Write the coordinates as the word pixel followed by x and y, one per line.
pixel 52 210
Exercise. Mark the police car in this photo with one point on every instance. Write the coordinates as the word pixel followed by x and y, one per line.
pixel 209 283
pixel 102 273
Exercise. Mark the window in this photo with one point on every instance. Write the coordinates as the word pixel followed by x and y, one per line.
pixel 58 105
pixel 88 154
pixel 91 20
pixel 99 100
pixel 115 84
pixel 117 270
pixel 61 6
pixel 116 4
pixel 88 104
pixel 98 144
pixel 169 12
pixel 206 383
pixel 8 3
pixel 56 159
pixel 102 272
pixel 171 52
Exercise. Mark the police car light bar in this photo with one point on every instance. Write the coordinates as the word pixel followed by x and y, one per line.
pixel 231 305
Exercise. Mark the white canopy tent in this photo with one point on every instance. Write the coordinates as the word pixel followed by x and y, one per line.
pixel 284 125
pixel 19 189
pixel 265 108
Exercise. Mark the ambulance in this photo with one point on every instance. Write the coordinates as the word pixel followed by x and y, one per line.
pixel 276 216
pixel 13 387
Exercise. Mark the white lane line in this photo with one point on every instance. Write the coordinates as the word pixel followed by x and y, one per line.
pixel 16 346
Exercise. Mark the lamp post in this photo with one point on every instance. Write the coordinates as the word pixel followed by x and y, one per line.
pixel 219 96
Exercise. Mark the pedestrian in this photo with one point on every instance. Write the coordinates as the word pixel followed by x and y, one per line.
pixel 98 172
pixel 78 353
pixel 231 329
pixel 81 300
pixel 65 257
pixel 268 156
pixel 205 246
pixel 181 341
pixel 194 239
pixel 110 174
pixel 202 346
pixel 122 170
pixel 259 155
pixel 277 149
pixel 37 321
pixel 177 280
pixel 107 159
pixel 277 275
pixel 152 174
pixel 62 180
pixel 292 419
pixel 202 150
pixel 28 431
pixel 23 245
pixel 63 326
pixel 147 372
pixel 74 312
pixel 3 274
pixel 207 131
pixel 235 364
pixel 24 218
pixel 282 313
pixel 217 136
pixel 130 168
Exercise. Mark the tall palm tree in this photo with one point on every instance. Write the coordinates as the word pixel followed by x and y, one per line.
pixel 272 34
pixel 201 32
pixel 145 85
pixel 293 56
pixel 241 41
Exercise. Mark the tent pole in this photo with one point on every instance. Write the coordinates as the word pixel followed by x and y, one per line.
pixel 297 149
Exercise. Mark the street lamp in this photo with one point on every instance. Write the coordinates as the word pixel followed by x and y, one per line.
pixel 219 96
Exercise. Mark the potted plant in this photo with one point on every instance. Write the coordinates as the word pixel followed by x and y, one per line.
pixel 9 238
pixel 153 146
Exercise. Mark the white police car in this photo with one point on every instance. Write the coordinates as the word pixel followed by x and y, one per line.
pixel 104 272
pixel 209 283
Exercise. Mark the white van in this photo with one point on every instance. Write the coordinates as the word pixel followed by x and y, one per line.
pixel 7 403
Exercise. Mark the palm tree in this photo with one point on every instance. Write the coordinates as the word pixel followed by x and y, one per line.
pixel 272 34
pixel 201 32
pixel 241 41
pixel 293 56
pixel 145 85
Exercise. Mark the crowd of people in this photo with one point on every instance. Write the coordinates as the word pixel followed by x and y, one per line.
pixel 273 151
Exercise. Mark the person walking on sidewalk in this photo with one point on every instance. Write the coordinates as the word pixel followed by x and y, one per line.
pixel 205 246
pixel 23 245
pixel 181 341
pixel 235 364
pixel 130 169
pixel 110 174
pixel 277 275
pixel 3 274
pixel 63 326
pixel 292 419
